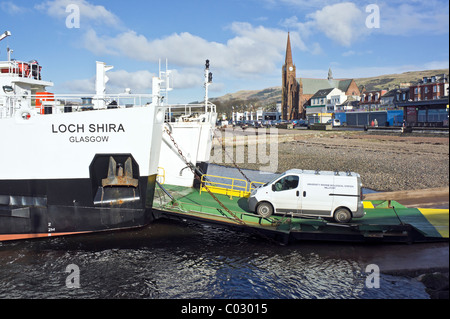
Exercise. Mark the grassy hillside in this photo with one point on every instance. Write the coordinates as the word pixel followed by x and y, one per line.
pixel 269 97
pixel 390 81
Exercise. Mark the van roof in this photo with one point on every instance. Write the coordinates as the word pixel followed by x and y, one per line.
pixel 311 172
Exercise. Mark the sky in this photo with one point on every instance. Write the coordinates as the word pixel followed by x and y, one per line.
pixel 245 40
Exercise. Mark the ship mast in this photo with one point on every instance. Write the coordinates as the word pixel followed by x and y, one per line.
pixel 208 81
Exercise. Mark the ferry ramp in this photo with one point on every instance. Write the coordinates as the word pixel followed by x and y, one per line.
pixel 385 221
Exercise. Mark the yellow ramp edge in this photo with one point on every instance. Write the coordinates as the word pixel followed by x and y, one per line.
pixel 438 218
pixel 368 204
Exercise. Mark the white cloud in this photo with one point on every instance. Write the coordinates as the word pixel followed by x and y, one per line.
pixel 89 13
pixel 344 22
pixel 302 4
pixel 11 8
pixel 406 19
pixel 253 50
pixel 76 86
pixel 357 53
pixel 182 49
pixel 140 82
pixel 349 53
pixel 188 78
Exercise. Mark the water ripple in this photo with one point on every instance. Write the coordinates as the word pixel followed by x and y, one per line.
pixel 171 260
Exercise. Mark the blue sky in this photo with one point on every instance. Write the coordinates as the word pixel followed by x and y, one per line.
pixel 244 39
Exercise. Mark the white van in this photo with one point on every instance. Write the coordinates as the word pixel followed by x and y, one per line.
pixel 310 193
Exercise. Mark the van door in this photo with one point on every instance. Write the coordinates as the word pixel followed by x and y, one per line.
pixel 315 195
pixel 285 194
pixel 346 193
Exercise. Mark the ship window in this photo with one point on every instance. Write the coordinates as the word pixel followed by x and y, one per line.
pixel 7 89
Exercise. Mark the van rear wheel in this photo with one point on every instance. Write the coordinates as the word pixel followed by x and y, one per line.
pixel 342 215
pixel 264 209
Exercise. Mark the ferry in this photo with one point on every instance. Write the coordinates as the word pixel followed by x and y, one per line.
pixel 72 164
pixel 192 127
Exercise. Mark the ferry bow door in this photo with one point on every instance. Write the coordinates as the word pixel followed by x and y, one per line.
pixel 285 194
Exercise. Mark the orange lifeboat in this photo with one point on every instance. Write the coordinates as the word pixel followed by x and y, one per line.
pixel 24 69
pixel 43 97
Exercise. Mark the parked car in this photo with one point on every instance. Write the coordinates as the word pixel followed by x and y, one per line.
pixel 334 122
pixel 267 123
pixel 303 123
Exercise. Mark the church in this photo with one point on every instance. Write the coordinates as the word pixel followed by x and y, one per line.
pixel 297 92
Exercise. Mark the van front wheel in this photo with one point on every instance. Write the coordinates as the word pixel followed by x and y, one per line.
pixel 264 209
pixel 342 215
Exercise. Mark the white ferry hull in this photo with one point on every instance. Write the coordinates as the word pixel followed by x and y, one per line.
pixel 52 169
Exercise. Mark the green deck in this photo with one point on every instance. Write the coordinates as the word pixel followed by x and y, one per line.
pixel 381 221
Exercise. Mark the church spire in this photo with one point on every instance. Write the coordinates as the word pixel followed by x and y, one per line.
pixel 330 74
pixel 288 60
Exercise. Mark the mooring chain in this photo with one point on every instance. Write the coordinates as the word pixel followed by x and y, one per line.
pixel 237 219
pixel 231 157
pixel 273 222
pixel 192 168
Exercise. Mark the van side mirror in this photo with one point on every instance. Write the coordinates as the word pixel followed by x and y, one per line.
pixel 273 187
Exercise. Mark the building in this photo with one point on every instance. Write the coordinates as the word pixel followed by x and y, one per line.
pixel 430 88
pixel 349 105
pixel 257 115
pixel 323 104
pixel 428 102
pixel 290 108
pixel 392 98
pixel 378 106
pixel 371 100
pixel 297 92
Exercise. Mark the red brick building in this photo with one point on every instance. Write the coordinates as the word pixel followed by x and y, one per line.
pixel 428 102
pixel 370 100
pixel 429 88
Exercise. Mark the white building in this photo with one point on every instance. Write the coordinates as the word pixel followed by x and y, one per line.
pixel 323 104
pixel 258 115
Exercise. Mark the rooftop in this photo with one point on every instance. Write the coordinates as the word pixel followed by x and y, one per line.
pixel 311 86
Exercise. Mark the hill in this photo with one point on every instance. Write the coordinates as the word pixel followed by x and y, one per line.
pixel 270 96
pixel 390 81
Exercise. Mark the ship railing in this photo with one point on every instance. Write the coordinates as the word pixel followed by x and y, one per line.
pixel 7 107
pixel 48 103
pixel 82 102
pixel 30 70
pixel 188 112
pixel 228 186
pixel 366 109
